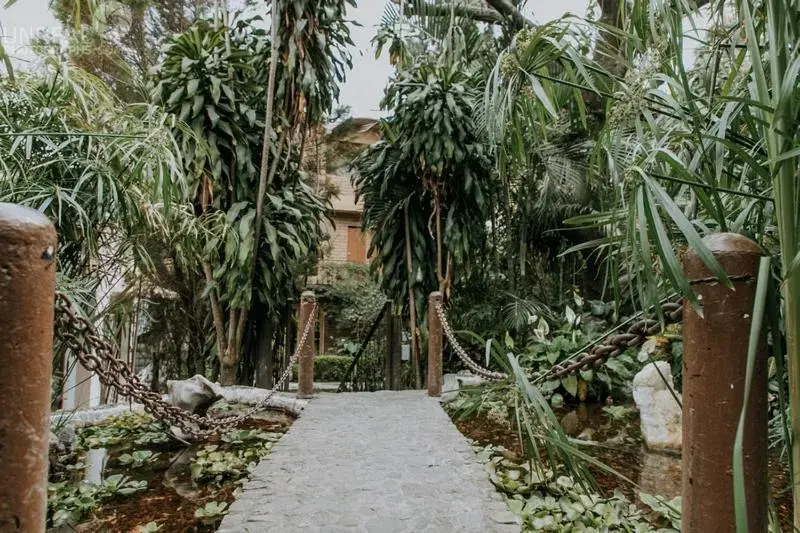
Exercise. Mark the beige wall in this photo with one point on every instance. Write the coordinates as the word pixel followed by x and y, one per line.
pixel 346 199
pixel 337 245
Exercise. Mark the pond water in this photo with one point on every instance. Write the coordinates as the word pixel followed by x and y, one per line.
pixel 171 495
pixel 95 465
pixel 617 441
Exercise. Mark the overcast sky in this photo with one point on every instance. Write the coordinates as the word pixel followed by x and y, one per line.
pixel 364 87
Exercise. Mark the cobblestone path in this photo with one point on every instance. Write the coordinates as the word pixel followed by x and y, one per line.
pixel 381 462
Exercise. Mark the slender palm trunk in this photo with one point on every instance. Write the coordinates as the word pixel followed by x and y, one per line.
pixel 439 267
pixel 412 304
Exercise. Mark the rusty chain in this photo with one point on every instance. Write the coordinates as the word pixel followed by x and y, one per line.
pixel 613 345
pixel 633 337
pixel 98 355
pixel 462 354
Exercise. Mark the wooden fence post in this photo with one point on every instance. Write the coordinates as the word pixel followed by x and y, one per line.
pixel 305 370
pixel 714 366
pixel 435 378
pixel 27 292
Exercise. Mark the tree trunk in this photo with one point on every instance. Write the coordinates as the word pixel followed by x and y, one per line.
pixel 156 376
pixel 439 273
pixel 263 353
pixel 227 372
pixel 412 304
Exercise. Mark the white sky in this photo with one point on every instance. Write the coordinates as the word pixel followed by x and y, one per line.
pixel 363 89
pixel 365 83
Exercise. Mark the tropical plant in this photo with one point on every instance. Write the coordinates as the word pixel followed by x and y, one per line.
pixel 425 186
pixel 212 78
pixel 546 501
pixel 150 527
pixel 212 512
pixel 129 430
pixel 67 503
pixel 691 146
pixel 137 458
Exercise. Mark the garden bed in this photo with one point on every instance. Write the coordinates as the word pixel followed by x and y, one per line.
pixel 128 474
pixel 613 437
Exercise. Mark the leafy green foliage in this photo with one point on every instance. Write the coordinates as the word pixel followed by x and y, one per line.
pixel 212 79
pixel 150 527
pixel 132 430
pixel 213 465
pixel 250 437
pixel 212 512
pixel 314 41
pixel 330 367
pixel 618 412
pixel 71 149
pixel 431 170
pixel 67 503
pixel 137 458
pixel 351 298
pixel 232 462
pixel 545 501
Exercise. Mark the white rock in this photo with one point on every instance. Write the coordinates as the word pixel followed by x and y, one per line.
pixel 660 413
pixel 252 396
pixel 195 394
pixel 453 382
pixel 450 386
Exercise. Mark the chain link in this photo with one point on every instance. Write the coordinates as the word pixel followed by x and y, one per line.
pixel 462 354
pixel 633 337
pixel 614 345
pixel 98 355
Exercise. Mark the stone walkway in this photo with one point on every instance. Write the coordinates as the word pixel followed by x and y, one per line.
pixel 381 462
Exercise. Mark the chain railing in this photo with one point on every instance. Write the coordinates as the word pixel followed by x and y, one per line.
pixel 608 347
pixel 97 355
pixel 461 352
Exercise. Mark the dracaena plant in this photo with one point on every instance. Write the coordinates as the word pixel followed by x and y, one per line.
pixel 212 79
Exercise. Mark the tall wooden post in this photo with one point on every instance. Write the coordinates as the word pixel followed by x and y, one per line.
pixel 27 291
pixel 305 371
pixel 435 377
pixel 714 367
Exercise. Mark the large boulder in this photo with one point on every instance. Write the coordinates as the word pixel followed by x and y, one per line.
pixel 195 394
pixel 660 413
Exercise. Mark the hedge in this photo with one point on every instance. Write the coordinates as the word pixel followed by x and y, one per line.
pixel 329 367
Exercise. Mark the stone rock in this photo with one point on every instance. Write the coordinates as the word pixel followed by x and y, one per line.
pixel 661 474
pixel 470 380
pixel 660 413
pixel 450 386
pixel 253 395
pixel 453 382
pixel 195 394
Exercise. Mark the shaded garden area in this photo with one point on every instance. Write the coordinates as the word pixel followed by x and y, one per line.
pixel 563 184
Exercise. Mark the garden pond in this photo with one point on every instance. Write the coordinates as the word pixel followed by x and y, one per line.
pixel 129 474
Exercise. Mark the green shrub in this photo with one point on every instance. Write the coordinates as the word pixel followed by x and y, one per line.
pixel 329 367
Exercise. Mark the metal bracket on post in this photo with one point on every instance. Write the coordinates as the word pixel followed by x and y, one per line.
pixel 27 292
pixel 435 377
pixel 714 368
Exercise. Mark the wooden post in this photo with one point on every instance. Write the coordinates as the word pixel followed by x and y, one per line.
pixel 714 367
pixel 305 371
pixel 435 377
pixel 27 292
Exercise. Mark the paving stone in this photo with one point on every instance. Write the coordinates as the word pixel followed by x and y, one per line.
pixel 378 462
